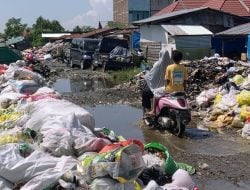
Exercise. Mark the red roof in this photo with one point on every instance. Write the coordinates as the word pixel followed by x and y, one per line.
pixel 237 7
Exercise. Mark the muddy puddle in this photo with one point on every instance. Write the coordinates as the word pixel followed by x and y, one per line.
pixel 222 184
pixel 65 85
pixel 126 121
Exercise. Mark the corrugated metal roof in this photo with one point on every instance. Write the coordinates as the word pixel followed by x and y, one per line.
pixel 185 30
pixel 167 9
pixel 14 40
pixel 168 15
pixel 243 29
pixel 236 7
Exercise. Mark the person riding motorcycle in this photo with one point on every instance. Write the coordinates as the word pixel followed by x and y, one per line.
pixel 154 79
pixel 175 80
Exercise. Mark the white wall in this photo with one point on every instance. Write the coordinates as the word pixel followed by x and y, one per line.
pixel 153 33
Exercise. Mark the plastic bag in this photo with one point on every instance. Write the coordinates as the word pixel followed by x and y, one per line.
pixel 170 165
pixel 244 112
pixel 243 98
pixel 110 184
pixel 217 99
pixel 39 170
pixel 246 130
pixel 237 123
pixel 238 79
pixel 42 110
pixel 9 117
pixel 13 136
pixel 24 86
pixel 123 164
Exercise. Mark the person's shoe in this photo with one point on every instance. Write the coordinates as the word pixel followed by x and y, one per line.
pixel 151 113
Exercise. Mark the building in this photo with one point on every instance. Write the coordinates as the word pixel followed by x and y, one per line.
pixel 234 42
pixel 155 34
pixel 127 11
pixel 236 7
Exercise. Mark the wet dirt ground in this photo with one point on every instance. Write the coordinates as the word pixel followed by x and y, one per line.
pixel 222 161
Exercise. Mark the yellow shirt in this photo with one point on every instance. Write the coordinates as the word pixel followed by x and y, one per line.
pixel 176 74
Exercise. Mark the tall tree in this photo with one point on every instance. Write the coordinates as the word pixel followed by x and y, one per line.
pixel 118 25
pixel 77 29
pixel 44 25
pixel 14 27
pixel 86 29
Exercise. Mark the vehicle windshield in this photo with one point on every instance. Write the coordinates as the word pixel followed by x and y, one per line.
pixel 108 44
pixel 90 45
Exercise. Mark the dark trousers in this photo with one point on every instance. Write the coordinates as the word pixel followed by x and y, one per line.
pixel 146 95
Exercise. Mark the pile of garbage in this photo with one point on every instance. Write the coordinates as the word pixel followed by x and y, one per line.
pixel 47 142
pixel 49 51
pixel 225 95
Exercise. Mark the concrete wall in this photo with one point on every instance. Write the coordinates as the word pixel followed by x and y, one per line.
pixel 153 33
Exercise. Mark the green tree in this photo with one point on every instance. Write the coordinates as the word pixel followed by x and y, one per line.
pixel 77 29
pixel 14 27
pixel 44 25
pixel 118 25
pixel 83 29
pixel 86 29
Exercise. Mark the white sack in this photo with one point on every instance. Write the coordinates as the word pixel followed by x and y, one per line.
pixel 38 170
pixel 16 73
pixel 5 185
pixel 24 86
pixel 10 96
pixel 45 109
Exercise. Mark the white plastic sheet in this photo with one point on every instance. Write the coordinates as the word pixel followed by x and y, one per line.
pixel 38 171
pixel 46 109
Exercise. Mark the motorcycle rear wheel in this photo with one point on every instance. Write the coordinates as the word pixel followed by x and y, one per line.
pixel 179 129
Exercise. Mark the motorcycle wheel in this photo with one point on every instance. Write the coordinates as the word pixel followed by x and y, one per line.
pixel 179 129
pixel 82 65
pixel 71 64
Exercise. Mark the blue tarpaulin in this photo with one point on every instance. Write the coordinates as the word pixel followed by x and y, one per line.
pixel 248 47
pixel 136 40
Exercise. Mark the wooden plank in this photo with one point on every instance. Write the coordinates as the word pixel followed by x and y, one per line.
pixel 151 50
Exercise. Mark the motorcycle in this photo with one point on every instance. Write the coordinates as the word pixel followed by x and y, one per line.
pixel 172 114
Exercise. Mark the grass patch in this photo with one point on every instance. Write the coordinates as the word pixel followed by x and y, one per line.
pixel 124 75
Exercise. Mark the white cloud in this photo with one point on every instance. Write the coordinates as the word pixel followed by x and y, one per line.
pixel 101 10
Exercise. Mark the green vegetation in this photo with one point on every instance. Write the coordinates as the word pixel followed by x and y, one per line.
pixel 44 25
pixel 123 75
pixel 14 27
pixel 83 29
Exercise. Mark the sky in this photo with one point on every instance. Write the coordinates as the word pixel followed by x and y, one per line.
pixel 68 12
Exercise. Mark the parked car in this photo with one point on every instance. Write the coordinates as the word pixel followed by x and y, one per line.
pixel 111 52
pixel 81 51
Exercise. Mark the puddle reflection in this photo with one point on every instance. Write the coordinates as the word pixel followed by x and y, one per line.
pixel 66 85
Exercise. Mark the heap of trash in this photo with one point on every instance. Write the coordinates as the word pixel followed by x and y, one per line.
pixel 47 142
pixel 225 94
pixel 218 87
pixel 49 51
